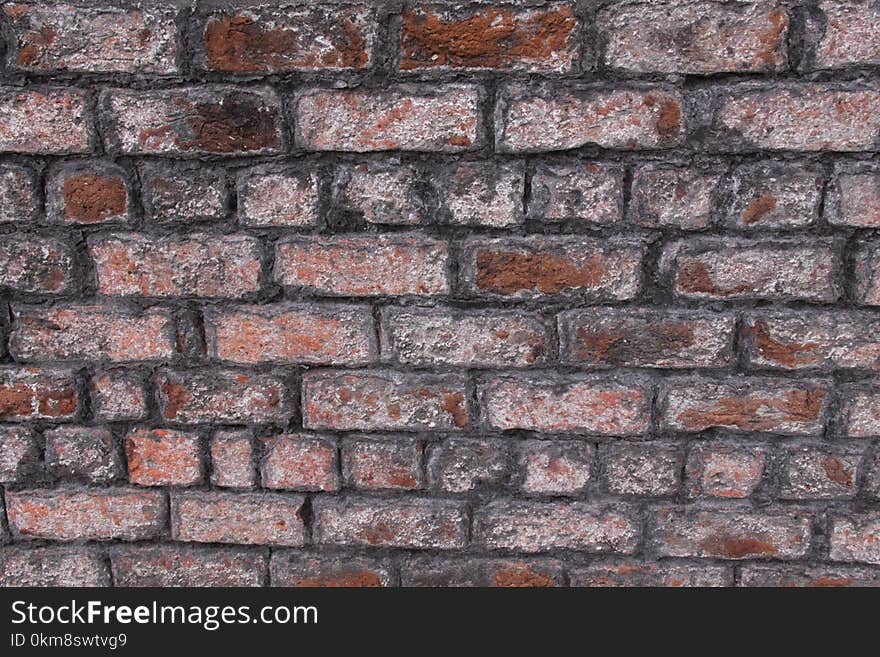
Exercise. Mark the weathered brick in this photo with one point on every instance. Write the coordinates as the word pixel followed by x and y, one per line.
pixel 359 266
pixel 789 407
pixel 748 269
pixel 725 469
pixel 18 194
pixel 52 566
pixel 162 457
pixel 544 526
pixel 582 191
pixel 232 460
pixel 480 194
pixel 241 518
pixel 538 40
pixel 88 453
pixel 815 472
pixel 181 565
pixel 849 35
pixel 742 534
pixel 300 462
pixel 413 523
pixel 537 266
pixel 183 194
pixel 91 332
pixel 860 415
pixel 32 393
pixel 279 40
pixel 866 255
pixel 853 197
pixel 443 119
pixel 384 400
pixel 672 196
pixel 193 121
pixel 45 121
pixel 646 468
pixel 856 537
pixel 223 396
pixel 134 264
pixel 278 198
pixel 645 338
pixel 306 570
pixel 88 194
pixel 558 467
pixel 637 574
pixel 42 265
pixel 118 395
pixel 784 575
pixel 461 465
pixel 380 193
pixel 470 571
pixel 393 463
pixel 590 404
pixel 288 333
pixel 682 36
pixel 440 336
pixel 126 514
pixel 52 36
pixel 532 119
pixel 774 196
pixel 19 454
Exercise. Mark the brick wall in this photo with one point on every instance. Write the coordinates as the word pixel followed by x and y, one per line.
pixel 540 293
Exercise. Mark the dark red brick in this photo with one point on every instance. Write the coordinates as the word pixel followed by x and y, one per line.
pixel 725 469
pixel 308 570
pixel 45 121
pixel 32 393
pixel 391 463
pixel 232 460
pixel 299 462
pixel 163 457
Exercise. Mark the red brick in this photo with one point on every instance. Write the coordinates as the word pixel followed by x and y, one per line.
pixel 866 255
pixel 232 460
pixel 784 575
pixel 18 194
pixel 556 467
pixel 731 534
pixel 545 526
pixel 849 35
pixel 443 119
pixel 860 417
pixel 45 121
pixel 508 38
pixel 300 462
pixel 440 336
pixel 531 119
pixel 162 457
pixel 637 574
pixel 380 193
pixel 194 121
pixel 52 566
pixel 183 194
pixel 394 463
pixel 180 565
pixel 280 40
pixel 18 453
pixel 724 469
pixel 288 333
pixel 359 265
pixel 91 194
pixel 462 465
pixel 753 269
pixel 589 404
pixel 853 197
pixel 774 196
pixel 783 406
pixel 682 198
pixel 222 396
pixel 41 265
pixel 32 393
pixel 92 332
pixel 88 453
pixel 102 514
pixel 816 472
pixel 645 338
pixel 133 264
pixel 384 400
pixel 278 198
pixel 49 37
pixel 695 37
pixel 118 395
pixel 412 523
pixel 856 537
pixel 586 192
pixel 529 267
pixel 470 571
pixel 306 570
pixel 242 518
pixel 480 194
pixel 646 469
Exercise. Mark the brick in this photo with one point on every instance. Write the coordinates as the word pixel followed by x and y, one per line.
pixel 393 463
pixel 52 37
pixel 636 574
pixel 223 396
pixel 695 37
pixel 359 266
pixel 380 193
pixel 480 194
pixel 288 333
pixel 588 404
pixel 440 336
pixel 193 121
pixel 19 454
pixel 278 198
pixel 815 472
pixel 384 400
pixel 52 566
pixel 647 469
pixel 872 476
pixel 134 264
pixel 860 415
pixel 784 575
pixel 753 269
pixel 183 194
pixel 531 119
pixel 240 518
pixel 849 36
pixel 804 117
pixel 281 40
pixel 180 565
pixel 482 37
pixel 856 537
pixel 774 196
pixel 32 393
pixel 470 571
pixel 305 570
pixel 85 453
pixel 92 332
pixel 544 526
pixel 125 514
pixel 462 465
pixel 788 407
pixel 163 457
pixel 45 121
pixel 18 194
pixel 34 264
pixel 586 192
pixel 666 196
pixel 558 467
pixel 299 462
pixel 538 266
pixel 412 523
pixel 853 197
pixel 232 460
pixel 645 338
pixel 442 119
pixel 118 395
pixel 88 194
pixel 740 534
pixel 724 469
pixel 866 256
